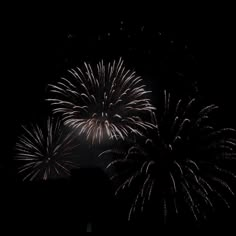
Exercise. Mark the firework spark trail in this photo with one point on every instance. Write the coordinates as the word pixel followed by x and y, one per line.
pixel 186 162
pixel 106 102
pixel 45 153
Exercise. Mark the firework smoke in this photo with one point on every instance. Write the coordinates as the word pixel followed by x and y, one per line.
pixel 109 102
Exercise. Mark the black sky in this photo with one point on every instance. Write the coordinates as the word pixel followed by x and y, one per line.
pixel 38 50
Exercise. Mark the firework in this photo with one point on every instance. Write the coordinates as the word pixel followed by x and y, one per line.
pixel 109 102
pixel 46 153
pixel 186 162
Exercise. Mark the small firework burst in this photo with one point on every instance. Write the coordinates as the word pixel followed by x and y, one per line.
pixel 108 102
pixel 46 153
pixel 185 163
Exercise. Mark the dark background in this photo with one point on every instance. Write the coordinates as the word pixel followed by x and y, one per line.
pixel 38 48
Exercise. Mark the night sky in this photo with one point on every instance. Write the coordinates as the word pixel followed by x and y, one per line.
pixel 195 60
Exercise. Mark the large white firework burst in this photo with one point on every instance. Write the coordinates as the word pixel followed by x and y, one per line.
pixel 185 163
pixel 46 153
pixel 106 102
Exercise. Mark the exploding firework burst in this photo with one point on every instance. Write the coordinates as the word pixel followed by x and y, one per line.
pixel 46 153
pixel 108 102
pixel 185 163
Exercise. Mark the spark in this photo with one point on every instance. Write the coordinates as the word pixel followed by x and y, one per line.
pixel 45 153
pixel 108 102
pixel 179 159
